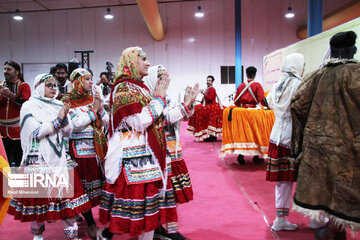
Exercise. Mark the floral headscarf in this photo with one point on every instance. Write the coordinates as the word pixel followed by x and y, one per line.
pixel 76 96
pixel 128 65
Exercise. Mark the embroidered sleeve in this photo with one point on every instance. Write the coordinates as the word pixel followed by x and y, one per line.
pixel 81 119
pixel 148 114
pixel 66 127
pixel 177 113
pixel 104 116
pixel 46 128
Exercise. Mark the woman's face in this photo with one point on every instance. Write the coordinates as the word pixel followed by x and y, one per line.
pixel 143 66
pixel 50 88
pixel 87 84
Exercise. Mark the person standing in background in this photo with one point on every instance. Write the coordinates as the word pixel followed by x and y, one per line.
pixel 61 75
pixel 13 93
pixel 248 95
pixel 279 167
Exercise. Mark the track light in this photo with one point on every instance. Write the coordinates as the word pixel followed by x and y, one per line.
pixel 289 13
pixel 17 16
pixel 199 13
pixel 108 14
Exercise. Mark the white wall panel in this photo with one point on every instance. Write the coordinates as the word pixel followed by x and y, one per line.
pixel 62 34
pixel 5 39
pixel 46 38
pixel 31 31
pixel 192 48
pixel 17 40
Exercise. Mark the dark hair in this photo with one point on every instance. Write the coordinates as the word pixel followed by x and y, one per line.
pixel 17 67
pixel 251 72
pixel 90 71
pixel 212 77
pixel 61 66
pixel 104 73
pixel 342 45
pixel 53 70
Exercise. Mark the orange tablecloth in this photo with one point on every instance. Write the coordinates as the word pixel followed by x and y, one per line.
pixel 248 133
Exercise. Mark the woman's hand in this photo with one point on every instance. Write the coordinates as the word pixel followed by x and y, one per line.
pixel 191 94
pixel 162 85
pixel 64 111
pixel 97 102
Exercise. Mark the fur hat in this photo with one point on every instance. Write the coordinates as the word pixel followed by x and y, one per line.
pixel 343 40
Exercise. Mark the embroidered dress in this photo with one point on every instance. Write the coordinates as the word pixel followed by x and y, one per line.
pixel 43 142
pixel 82 150
pixel 87 141
pixel 138 195
pixel 207 119
pixel 174 113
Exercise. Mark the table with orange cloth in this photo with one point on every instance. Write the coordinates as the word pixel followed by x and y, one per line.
pixel 248 132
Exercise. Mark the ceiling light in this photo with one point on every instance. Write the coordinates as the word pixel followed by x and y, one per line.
pixel 108 14
pixel 199 13
pixel 289 13
pixel 17 16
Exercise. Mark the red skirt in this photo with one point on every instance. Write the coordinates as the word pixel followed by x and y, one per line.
pixel 206 121
pixel 279 167
pixel 181 182
pixel 91 176
pixel 42 209
pixel 137 207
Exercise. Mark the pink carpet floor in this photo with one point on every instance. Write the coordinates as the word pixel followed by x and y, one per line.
pixel 231 202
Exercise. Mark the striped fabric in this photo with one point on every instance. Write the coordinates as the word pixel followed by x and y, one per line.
pixel 279 167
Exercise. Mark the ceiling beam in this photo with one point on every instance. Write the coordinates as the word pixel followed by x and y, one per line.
pixel 151 14
pixel 40 4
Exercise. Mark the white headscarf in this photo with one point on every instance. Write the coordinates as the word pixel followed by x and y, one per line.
pixel 282 92
pixel 172 101
pixel 291 69
pixel 151 79
pixel 40 110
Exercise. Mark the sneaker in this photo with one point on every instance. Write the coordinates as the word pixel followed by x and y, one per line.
pixel 241 160
pixel 283 224
pixel 314 224
pixel 38 237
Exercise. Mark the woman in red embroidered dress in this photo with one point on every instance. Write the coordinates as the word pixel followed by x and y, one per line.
pixel 138 194
pixel 87 143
